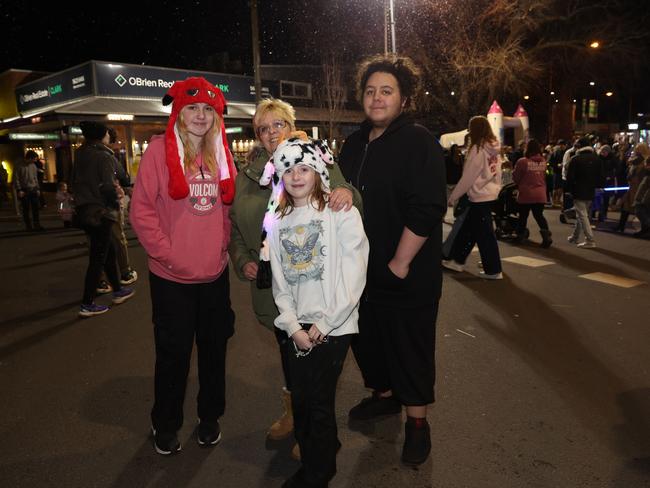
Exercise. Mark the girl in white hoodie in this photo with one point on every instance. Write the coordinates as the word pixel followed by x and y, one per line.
pixel 481 181
pixel 318 262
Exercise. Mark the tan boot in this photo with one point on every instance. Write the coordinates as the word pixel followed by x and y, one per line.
pixel 295 452
pixel 283 427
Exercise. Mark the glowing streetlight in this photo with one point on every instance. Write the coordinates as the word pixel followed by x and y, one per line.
pixel 552 93
pixel 453 93
pixel 592 83
pixel 609 94
pixel 594 45
pixel 526 97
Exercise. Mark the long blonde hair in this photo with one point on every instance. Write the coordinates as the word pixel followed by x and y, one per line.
pixel 480 132
pixel 207 147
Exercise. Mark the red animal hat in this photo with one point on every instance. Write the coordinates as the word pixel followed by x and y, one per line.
pixel 186 92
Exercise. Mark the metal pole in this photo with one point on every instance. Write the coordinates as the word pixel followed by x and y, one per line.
pixel 385 27
pixel 392 27
pixel 256 51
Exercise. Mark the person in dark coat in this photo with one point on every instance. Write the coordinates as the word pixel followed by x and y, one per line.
pixel 584 174
pixel 28 190
pixel 399 169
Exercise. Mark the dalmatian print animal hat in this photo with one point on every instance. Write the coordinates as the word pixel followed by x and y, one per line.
pixel 291 152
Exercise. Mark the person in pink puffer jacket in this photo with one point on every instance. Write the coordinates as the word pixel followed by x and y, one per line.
pixel 481 181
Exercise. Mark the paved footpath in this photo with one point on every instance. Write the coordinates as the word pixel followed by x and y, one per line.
pixel 543 379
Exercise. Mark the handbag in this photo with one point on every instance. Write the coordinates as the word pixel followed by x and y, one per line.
pixel 89 215
pixel 264 277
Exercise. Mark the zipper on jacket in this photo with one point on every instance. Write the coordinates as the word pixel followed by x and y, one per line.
pixel 363 162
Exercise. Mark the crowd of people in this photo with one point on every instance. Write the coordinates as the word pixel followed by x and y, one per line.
pixel 339 255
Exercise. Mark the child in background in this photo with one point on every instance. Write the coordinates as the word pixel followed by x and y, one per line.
pixel 65 207
pixel 318 262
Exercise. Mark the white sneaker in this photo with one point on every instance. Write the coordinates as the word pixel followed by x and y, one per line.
pixel 453 265
pixel 572 239
pixel 495 276
pixel 587 245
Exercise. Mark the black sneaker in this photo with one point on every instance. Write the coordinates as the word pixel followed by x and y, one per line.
pixel 375 406
pixel 417 443
pixel 297 480
pixel 208 433
pixel 165 443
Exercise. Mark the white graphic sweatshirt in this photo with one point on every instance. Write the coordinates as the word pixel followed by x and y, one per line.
pixel 318 261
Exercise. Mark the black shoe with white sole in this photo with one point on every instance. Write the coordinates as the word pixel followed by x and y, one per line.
pixel 165 443
pixel 208 433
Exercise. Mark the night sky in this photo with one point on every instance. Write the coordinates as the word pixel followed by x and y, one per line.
pixel 183 34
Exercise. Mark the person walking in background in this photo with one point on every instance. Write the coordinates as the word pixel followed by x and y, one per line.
pixel 585 173
pixel 635 168
pixel 555 161
pixel 274 121
pixel 567 198
pixel 642 203
pixel 65 205
pixel 95 195
pixel 530 176
pixel 318 262
pixel 399 169
pixel 40 175
pixel 28 191
pixel 481 181
pixel 179 211
pixel 127 274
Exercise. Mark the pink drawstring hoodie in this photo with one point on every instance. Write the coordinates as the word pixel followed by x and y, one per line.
pixel 481 178
pixel 186 239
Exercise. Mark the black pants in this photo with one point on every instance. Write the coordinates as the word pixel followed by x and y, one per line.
pixel 395 350
pixel 538 214
pixel 478 229
pixel 30 205
pixel 183 313
pixel 100 257
pixel 312 398
pixel 285 343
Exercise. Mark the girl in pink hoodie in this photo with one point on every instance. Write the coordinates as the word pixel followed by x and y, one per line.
pixel 179 210
pixel 481 181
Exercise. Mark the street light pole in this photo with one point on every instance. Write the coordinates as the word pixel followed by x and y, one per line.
pixel 256 51
pixel 389 12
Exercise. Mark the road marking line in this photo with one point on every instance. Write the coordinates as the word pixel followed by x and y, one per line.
pixel 466 333
pixel 525 261
pixel 611 279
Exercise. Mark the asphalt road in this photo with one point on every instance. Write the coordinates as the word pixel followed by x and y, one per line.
pixel 543 379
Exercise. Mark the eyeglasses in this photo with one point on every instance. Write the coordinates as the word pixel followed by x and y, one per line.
pixel 195 91
pixel 263 130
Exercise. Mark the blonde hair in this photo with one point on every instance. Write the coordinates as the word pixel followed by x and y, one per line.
pixel 480 132
pixel 207 147
pixel 276 106
pixel 318 196
pixel 642 149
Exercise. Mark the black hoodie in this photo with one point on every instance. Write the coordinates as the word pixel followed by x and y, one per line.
pixel 401 177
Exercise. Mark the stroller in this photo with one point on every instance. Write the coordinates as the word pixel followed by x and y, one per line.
pixel 506 214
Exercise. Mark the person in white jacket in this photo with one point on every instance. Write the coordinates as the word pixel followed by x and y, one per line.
pixel 318 263
pixel 481 181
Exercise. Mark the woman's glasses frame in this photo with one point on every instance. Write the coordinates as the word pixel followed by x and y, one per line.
pixel 264 130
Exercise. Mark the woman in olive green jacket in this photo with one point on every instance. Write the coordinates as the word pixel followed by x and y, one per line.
pixel 274 120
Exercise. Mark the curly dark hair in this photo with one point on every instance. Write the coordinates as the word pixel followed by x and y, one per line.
pixel 402 68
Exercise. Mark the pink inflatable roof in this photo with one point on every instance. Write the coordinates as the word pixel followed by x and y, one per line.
pixel 521 112
pixel 495 108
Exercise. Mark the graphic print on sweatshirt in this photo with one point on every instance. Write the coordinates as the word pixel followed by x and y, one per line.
pixel 204 193
pixel 302 253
